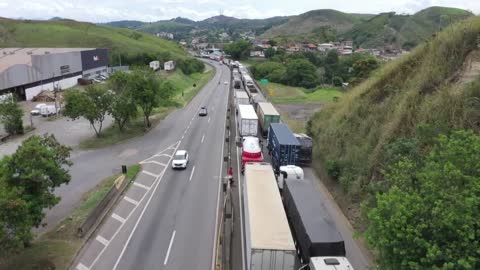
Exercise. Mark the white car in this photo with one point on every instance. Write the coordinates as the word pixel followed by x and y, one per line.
pixel 36 110
pixel 180 160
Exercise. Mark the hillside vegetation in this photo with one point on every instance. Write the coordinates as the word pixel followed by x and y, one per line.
pixel 406 143
pixel 405 31
pixel 125 42
pixel 316 21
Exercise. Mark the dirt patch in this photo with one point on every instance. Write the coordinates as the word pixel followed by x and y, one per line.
pixel 297 114
pixel 471 68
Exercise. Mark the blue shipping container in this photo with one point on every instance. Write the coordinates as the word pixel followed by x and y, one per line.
pixel 283 146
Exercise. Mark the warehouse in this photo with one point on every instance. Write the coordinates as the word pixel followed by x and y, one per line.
pixel 27 71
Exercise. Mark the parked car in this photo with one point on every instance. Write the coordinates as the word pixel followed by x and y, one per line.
pixel 203 111
pixel 180 160
pixel 36 110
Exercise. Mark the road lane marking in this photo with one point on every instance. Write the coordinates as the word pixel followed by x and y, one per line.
pixel 119 218
pixel 203 138
pixel 80 266
pixel 191 175
pixel 141 186
pixel 169 248
pixel 159 155
pixel 102 240
pixel 158 163
pixel 208 120
pixel 150 174
pixel 156 184
pixel 130 200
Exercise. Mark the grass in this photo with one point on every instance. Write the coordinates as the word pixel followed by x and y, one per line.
pixel 27 33
pixel 58 247
pixel 253 61
pixel 279 93
pixel 112 135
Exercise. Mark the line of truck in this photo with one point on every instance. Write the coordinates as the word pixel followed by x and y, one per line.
pixel 286 226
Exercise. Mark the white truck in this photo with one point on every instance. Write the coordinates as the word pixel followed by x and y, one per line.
pixel 48 110
pixel 289 172
pixel 268 240
pixel 247 121
pixel 241 98
pixel 155 65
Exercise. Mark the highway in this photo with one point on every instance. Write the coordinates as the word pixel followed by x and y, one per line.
pixel 168 218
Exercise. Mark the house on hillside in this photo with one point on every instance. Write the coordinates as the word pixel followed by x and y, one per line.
pixel 309 47
pixel 325 47
pixel 164 35
pixel 293 48
pixel 257 53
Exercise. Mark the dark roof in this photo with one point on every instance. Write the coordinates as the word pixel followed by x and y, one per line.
pixel 284 134
pixel 315 218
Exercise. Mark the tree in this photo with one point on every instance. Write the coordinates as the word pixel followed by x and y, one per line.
pixel 149 92
pixel 238 50
pixel 301 73
pixel 190 65
pixel 269 53
pixel 11 116
pixel 123 107
pixel 273 71
pixel 363 67
pixel 28 179
pixel 428 219
pixel 93 104
pixel 272 42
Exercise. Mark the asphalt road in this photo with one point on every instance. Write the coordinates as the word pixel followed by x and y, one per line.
pixel 167 219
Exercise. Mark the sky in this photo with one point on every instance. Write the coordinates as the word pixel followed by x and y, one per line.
pixel 154 10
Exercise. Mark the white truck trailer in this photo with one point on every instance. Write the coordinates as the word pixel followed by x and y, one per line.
pixel 247 121
pixel 268 240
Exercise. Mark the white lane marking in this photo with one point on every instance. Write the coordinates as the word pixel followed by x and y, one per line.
pixel 208 120
pixel 191 175
pixel 203 138
pixel 141 186
pixel 156 183
pixel 218 194
pixel 102 240
pixel 169 248
pixel 119 218
pixel 240 202
pixel 80 266
pixel 130 200
pixel 165 155
pixel 158 163
pixel 150 174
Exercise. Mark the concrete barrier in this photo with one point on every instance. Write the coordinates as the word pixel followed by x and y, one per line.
pixel 98 213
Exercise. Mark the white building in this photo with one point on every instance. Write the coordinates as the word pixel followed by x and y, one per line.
pixel 169 66
pixel 155 65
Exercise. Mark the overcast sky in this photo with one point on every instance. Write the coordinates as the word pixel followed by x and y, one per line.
pixel 153 10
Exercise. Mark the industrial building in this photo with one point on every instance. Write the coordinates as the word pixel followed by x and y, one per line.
pixel 27 71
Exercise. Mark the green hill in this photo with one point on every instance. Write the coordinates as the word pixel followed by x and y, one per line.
pixel 433 90
pixel 405 31
pixel 314 20
pixel 26 33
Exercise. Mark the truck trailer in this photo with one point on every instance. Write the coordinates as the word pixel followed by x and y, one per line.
pixel 283 147
pixel 268 240
pixel 247 121
pixel 241 98
pixel 266 114
pixel 319 243
pixel 306 148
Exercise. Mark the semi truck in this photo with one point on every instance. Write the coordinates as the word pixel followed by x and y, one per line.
pixel 251 150
pixel 282 145
pixel 306 146
pixel 266 114
pixel 289 172
pixel 241 97
pixel 247 121
pixel 319 244
pixel 268 240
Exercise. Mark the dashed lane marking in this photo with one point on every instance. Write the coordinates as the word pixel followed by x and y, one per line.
pixel 191 175
pixel 82 267
pixel 203 138
pixel 119 218
pixel 150 174
pixel 169 248
pixel 130 200
pixel 141 186
pixel 102 240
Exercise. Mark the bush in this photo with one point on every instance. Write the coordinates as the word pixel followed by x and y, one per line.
pixel 337 81
pixel 11 116
pixel 191 65
pixel 301 72
pixel 270 70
